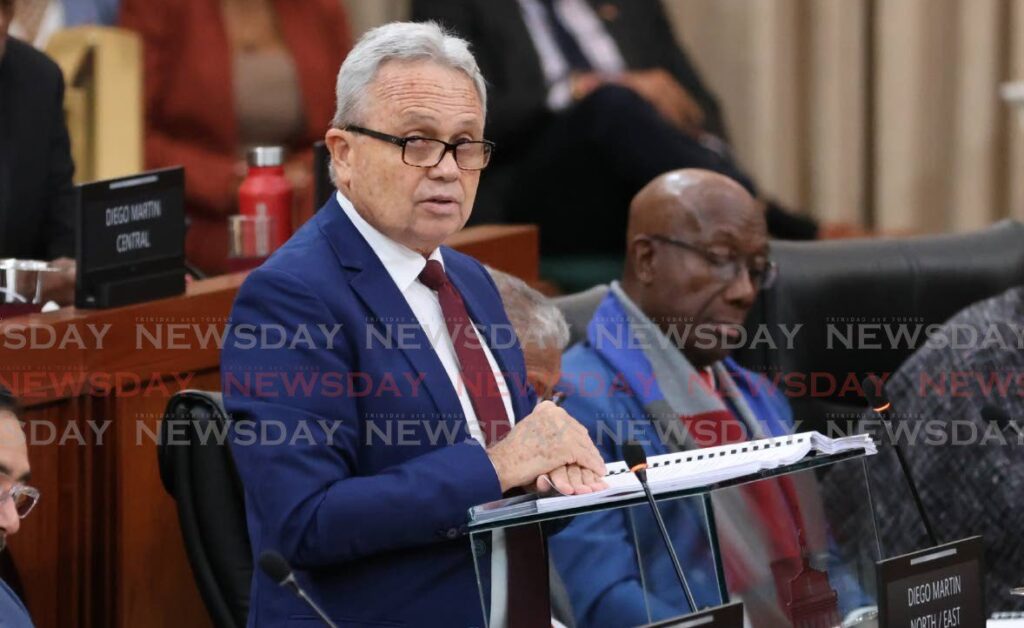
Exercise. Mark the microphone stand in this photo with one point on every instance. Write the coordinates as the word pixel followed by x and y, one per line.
pixel 637 461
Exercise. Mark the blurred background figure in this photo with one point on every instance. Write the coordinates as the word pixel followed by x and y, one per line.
pixel 540 327
pixel 594 99
pixel 222 76
pixel 36 197
pixel 971 481
pixel 37 20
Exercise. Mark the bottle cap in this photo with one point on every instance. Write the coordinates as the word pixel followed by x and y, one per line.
pixel 265 156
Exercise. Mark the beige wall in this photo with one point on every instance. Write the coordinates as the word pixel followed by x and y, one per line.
pixel 920 141
pixel 368 13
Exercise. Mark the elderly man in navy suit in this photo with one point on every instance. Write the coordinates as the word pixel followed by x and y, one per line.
pixel 398 393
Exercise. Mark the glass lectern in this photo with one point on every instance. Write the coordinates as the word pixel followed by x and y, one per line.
pixel 792 550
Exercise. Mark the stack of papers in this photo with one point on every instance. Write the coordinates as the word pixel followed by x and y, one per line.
pixel 684 470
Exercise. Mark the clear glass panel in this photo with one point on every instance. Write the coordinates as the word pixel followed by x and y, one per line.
pixel 610 568
pixel 731 539
pixel 797 551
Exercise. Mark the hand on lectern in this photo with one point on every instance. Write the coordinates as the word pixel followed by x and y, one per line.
pixel 547 441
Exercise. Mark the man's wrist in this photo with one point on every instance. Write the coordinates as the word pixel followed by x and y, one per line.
pixel 500 469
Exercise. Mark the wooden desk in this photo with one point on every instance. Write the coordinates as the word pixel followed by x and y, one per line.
pixel 103 547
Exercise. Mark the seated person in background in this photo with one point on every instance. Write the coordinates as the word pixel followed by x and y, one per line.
pixel 222 76
pixel 653 365
pixel 37 20
pixel 595 100
pixel 36 193
pixel 543 334
pixel 970 473
pixel 542 331
pixel 16 500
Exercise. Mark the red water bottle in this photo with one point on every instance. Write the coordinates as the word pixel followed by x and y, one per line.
pixel 267 192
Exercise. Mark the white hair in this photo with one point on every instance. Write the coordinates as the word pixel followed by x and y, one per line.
pixel 536 320
pixel 399 41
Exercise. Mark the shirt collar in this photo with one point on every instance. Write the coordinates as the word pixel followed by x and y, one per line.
pixel 402 263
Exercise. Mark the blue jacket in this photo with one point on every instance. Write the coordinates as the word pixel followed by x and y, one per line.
pixel 374 514
pixel 606 587
pixel 12 612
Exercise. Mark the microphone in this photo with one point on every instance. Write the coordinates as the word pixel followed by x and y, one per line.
pixel 996 415
pixel 875 393
pixel 636 460
pixel 275 566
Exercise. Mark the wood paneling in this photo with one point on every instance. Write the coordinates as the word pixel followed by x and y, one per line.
pixel 103 547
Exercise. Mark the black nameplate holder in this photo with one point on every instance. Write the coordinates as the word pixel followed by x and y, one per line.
pixel 130 243
pixel 725 616
pixel 940 587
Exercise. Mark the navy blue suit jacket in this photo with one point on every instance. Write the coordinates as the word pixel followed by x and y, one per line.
pixel 367 496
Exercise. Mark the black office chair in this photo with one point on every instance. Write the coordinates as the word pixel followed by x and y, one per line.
pixel 198 470
pixel 921 279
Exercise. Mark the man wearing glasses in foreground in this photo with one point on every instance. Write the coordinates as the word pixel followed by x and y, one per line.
pixel 655 368
pixel 16 500
pixel 371 507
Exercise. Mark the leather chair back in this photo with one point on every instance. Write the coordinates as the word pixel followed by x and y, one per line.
pixel 198 470
pixel 865 305
pixel 578 308
pixel 322 186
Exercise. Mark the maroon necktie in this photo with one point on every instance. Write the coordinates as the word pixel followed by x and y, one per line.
pixel 526 552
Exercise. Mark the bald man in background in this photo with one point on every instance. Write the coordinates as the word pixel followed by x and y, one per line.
pixel 698 253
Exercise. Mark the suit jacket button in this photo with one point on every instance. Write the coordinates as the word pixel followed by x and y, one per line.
pixel 453 533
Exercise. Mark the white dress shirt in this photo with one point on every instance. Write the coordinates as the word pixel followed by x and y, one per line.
pixel 586 27
pixel 404 265
pixel 42 17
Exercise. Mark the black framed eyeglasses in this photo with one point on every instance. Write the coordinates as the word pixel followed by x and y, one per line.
pixel 427 152
pixel 761 270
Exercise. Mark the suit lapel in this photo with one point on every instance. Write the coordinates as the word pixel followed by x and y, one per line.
pixel 388 307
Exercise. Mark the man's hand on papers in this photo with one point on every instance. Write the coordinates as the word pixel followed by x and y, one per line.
pixel 548 441
pixel 570 480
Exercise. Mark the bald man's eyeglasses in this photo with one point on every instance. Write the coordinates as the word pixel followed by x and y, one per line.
pixel 761 271
pixel 24 498
pixel 427 152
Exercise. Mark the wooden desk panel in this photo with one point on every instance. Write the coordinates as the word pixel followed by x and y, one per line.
pixel 103 547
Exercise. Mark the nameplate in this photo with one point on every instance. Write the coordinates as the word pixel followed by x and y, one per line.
pixel 940 587
pixel 131 239
pixel 725 616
